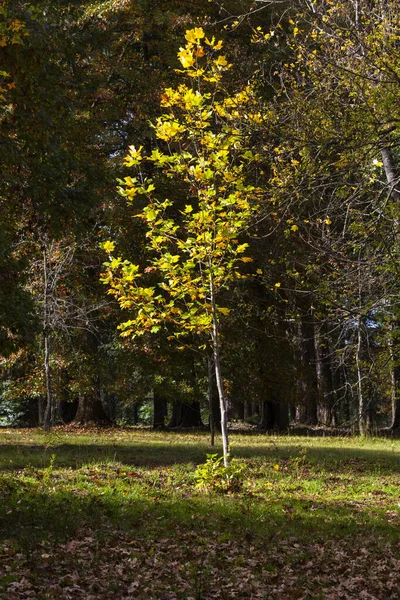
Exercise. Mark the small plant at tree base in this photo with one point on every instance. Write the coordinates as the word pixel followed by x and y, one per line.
pixel 48 471
pixel 213 475
pixel 299 463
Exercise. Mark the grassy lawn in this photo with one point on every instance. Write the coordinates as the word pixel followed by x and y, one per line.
pixel 116 514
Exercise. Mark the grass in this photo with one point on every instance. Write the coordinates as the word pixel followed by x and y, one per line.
pixel 116 513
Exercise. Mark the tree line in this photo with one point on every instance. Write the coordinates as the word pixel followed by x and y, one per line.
pixel 252 239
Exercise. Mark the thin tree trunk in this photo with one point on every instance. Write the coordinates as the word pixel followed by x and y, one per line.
pixel 361 401
pixel 392 177
pixel 47 344
pixel 135 414
pixel 395 421
pixel 324 377
pixel 362 417
pixel 218 375
pixel 210 400
pixel 391 173
pixel 41 409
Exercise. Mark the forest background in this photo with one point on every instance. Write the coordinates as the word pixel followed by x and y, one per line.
pixel 309 326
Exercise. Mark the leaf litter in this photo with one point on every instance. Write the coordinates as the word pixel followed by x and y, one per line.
pixel 186 566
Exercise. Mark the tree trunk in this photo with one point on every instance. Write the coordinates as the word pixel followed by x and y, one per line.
pixel 394 376
pixel 185 415
pixel 246 410
pixel 218 375
pixel 391 173
pixel 41 409
pixel 274 415
pixel 67 410
pixel 300 412
pixel 135 415
pixel 268 415
pixel 210 399
pixel 47 344
pixel 32 417
pixel 392 178
pixel 360 391
pixel 160 411
pixel 90 410
pixel 324 377
pixel 306 408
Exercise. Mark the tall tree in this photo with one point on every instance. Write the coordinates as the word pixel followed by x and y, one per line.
pixel 195 251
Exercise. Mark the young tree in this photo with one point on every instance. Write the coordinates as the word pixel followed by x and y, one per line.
pixel 195 252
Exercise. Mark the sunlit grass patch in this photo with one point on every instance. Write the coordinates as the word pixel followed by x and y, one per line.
pixel 138 489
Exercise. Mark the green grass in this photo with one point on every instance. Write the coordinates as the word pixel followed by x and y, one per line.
pixel 117 513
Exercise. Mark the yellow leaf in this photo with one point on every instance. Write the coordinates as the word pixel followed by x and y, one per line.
pixel 108 246
pixel 186 57
pixel 134 157
pixel 221 61
pixel 278 285
pixel 129 181
pixel 165 130
pixel 194 35
pixel 294 228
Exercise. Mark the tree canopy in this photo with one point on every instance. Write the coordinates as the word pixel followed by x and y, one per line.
pixel 256 227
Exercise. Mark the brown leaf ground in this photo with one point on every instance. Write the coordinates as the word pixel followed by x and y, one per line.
pixel 186 566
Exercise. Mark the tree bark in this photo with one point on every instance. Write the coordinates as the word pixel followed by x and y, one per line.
pixel 41 409
pixel 268 415
pixel 185 415
pixel 47 344
pixel 391 173
pixel 90 410
pixel 360 391
pixel 306 406
pixel 218 375
pixel 210 399
pixel 160 410
pixel 394 378
pixel 67 410
pixel 324 377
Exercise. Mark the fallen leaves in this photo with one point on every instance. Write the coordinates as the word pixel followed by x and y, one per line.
pixel 186 565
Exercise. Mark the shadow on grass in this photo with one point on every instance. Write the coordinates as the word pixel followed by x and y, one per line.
pixel 28 514
pixel 159 454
